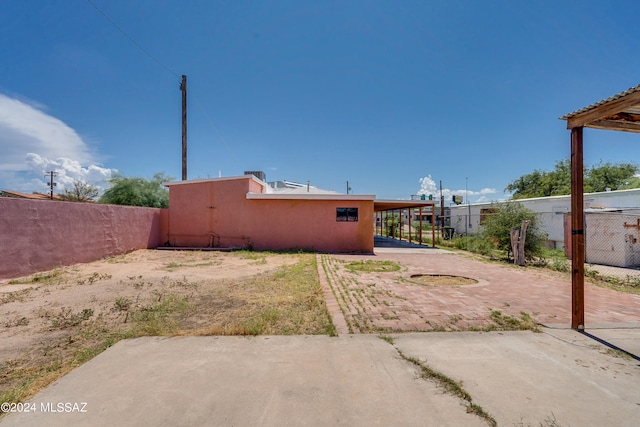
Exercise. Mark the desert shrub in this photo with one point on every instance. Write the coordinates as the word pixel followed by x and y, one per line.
pixel 497 228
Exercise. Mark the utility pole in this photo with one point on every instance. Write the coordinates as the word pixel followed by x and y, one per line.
pixel 52 184
pixel 183 88
pixel 466 189
pixel 348 188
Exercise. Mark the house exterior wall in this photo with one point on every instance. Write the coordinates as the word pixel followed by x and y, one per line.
pixel 310 224
pixel 37 235
pixel 218 213
pixel 209 213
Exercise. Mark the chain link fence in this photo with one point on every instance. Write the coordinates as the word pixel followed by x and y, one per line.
pixel 612 238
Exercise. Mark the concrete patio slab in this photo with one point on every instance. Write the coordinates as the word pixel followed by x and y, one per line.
pixel 236 381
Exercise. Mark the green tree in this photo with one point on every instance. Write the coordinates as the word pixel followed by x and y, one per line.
pixel 633 182
pixel 558 181
pixel 497 228
pixel 138 191
pixel 81 192
pixel 607 175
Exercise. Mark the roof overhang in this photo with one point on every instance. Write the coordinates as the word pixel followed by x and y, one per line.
pixel 620 112
pixel 387 205
pixel 309 196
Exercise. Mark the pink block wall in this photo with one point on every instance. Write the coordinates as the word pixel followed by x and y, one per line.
pixel 37 235
pixel 218 212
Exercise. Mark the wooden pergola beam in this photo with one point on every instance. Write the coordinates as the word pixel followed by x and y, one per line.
pixel 623 126
pixel 603 111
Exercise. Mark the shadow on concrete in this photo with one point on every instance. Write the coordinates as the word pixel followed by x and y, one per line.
pixel 388 242
pixel 606 342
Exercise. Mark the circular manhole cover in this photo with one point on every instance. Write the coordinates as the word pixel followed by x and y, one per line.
pixel 442 280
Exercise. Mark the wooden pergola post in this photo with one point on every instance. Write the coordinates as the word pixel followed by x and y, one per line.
pixel 620 112
pixel 577 229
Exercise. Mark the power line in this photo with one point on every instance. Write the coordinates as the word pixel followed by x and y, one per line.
pixel 131 39
pixel 146 52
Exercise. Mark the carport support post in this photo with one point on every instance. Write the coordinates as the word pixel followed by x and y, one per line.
pixel 386 224
pixel 420 232
pixel 433 226
pixel 577 230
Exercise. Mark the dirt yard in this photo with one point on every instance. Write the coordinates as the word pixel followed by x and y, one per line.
pixel 56 320
pixel 35 307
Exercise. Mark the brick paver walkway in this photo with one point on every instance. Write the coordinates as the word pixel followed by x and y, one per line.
pixel 393 301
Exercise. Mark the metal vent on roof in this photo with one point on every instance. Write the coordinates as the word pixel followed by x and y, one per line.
pixel 258 174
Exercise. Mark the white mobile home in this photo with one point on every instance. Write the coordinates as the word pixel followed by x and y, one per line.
pixel 467 219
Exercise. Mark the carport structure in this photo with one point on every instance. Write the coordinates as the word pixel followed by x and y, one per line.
pixel 620 112
pixel 386 208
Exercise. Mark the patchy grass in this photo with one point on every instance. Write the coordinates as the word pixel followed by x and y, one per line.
pixel 93 278
pixel 20 295
pixel 619 353
pixel 449 385
pixel 159 318
pixel 549 421
pixel 40 278
pixel 287 300
pixel 372 266
pixel 452 387
pixel 173 265
pixel 66 318
pixel 629 284
pixel 504 322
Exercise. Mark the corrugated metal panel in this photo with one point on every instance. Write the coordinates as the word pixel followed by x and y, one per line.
pixel 604 101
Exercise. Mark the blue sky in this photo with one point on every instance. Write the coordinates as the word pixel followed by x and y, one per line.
pixel 392 96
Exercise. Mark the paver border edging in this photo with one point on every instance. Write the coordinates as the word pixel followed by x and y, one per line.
pixel 335 312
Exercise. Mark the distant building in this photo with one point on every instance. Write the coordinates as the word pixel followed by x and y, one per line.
pixel 551 211
pixel 32 196
pixel 246 211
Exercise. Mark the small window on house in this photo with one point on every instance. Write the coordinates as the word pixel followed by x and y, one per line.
pixel 347 214
pixel 486 213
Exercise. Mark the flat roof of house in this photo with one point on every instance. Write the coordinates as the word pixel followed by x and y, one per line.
pixel 379 204
pixel 387 205
pixel 226 178
pixel 308 196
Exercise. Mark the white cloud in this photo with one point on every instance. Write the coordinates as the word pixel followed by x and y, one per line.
pixel 25 129
pixel 428 186
pixel 67 171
